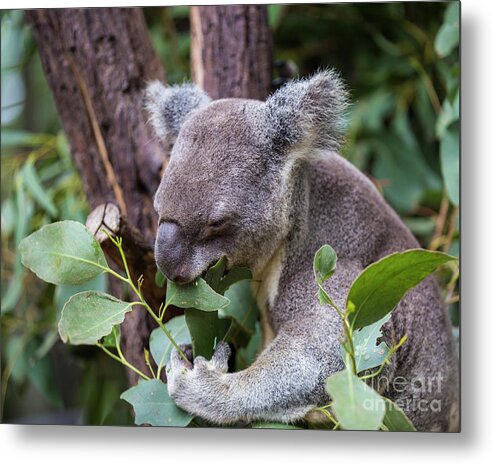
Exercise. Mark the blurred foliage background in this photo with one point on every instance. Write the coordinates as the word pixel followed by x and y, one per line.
pixel 401 64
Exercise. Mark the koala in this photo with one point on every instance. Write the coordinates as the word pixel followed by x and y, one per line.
pixel 261 184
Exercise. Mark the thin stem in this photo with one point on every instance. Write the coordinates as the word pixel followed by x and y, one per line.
pixel 122 361
pixel 159 370
pixel 327 414
pixel 386 360
pixel 137 291
pixel 349 343
pixel 149 365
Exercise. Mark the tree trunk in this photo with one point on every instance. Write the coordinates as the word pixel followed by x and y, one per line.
pixel 232 50
pixel 97 61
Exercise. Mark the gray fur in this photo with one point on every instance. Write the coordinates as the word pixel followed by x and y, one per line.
pixel 258 183
pixel 168 107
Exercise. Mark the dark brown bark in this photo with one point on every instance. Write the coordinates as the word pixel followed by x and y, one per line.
pixel 232 50
pixel 139 254
pixel 97 62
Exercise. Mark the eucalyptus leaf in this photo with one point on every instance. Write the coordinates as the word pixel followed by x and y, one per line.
pixel 197 294
pixel 160 279
pixel 395 419
pixel 242 306
pixel 64 292
pixel 236 274
pixel 356 405
pixel 20 138
pixel 274 425
pixel 447 39
pixel 246 355
pixel 448 35
pixel 368 353
pixel 380 287
pixel 220 281
pixel 38 192
pixel 447 116
pixel 214 274
pixel 153 405
pixel 161 346
pixel 63 253
pixel 450 162
pixel 24 211
pixel 89 316
pixel 113 339
pixel 206 330
pixel 325 263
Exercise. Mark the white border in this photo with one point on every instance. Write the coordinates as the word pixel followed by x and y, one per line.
pixel 111 444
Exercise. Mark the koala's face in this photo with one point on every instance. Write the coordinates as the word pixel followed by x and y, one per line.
pixel 219 195
pixel 227 189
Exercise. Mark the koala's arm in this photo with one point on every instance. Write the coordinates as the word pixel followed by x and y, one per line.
pixel 283 384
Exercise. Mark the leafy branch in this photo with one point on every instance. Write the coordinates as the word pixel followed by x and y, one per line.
pixel 370 301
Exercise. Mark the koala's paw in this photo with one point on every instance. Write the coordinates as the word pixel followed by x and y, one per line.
pixel 193 385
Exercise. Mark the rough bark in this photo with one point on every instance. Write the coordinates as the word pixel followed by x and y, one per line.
pixel 107 219
pixel 97 61
pixel 232 50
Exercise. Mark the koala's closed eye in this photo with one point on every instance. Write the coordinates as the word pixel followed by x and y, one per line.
pixel 217 227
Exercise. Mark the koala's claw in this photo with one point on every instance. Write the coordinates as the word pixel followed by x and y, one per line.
pixel 186 382
pixel 221 357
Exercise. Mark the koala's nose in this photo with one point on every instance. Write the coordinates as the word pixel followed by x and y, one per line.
pixel 171 252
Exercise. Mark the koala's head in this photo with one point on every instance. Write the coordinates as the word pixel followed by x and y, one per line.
pixel 229 187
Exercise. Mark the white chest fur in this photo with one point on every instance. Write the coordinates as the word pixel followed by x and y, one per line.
pixel 265 288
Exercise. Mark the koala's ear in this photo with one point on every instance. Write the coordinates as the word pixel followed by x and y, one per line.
pixel 169 106
pixel 308 112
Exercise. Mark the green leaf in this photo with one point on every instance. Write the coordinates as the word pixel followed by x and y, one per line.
pixel 63 253
pixel 153 405
pixel 160 278
pixel 395 419
pixel 404 170
pixel 38 192
pixel 452 14
pixel 448 35
pixel 206 330
pixel 245 356
pixel 447 116
pixel 89 316
pixel 368 353
pixel 41 374
pixel 236 274
pixel 450 162
pixel 64 292
pixel 379 288
pixel 161 347
pixel 325 263
pixel 24 211
pixel 17 138
pixel 113 339
pixel 8 217
pixel 197 294
pixel 15 357
pixel 219 282
pixel 214 274
pixel 274 425
pixel 242 306
pixel 447 39
pixel 356 405
pixel 421 226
